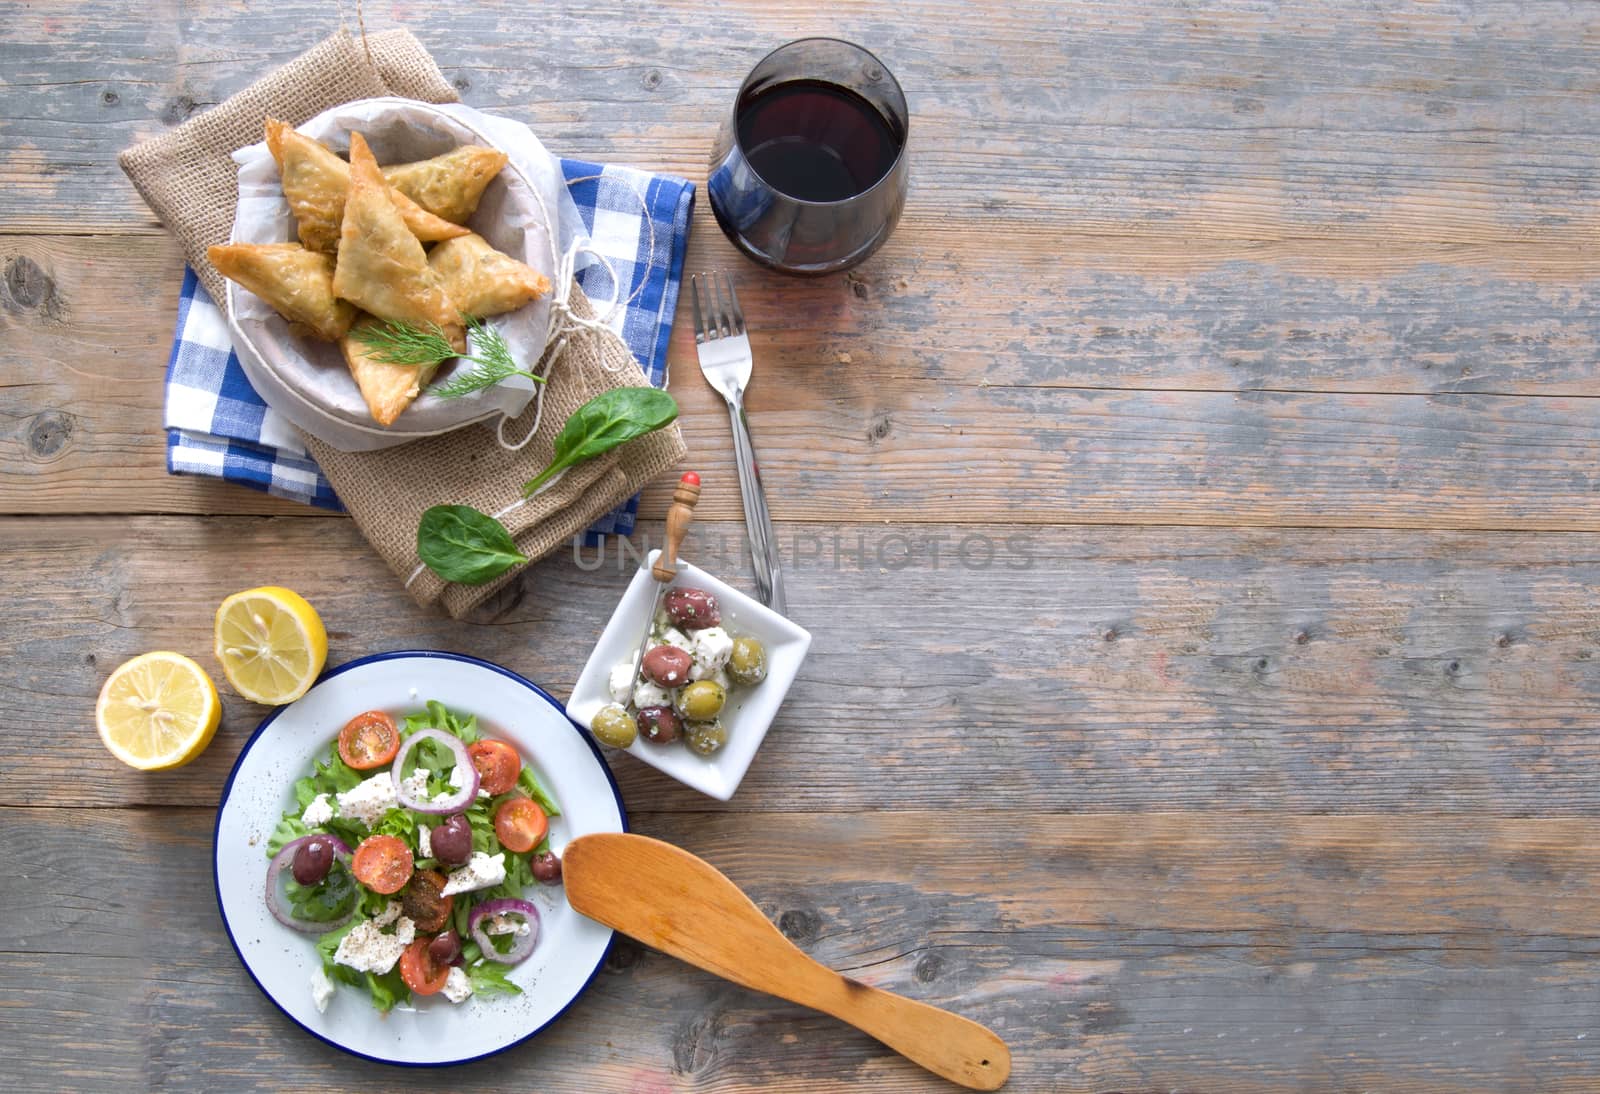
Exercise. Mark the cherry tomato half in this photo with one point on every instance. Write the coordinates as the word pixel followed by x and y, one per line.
pixel 498 765
pixel 422 974
pixel 520 824
pixel 424 902
pixel 382 863
pixel 369 740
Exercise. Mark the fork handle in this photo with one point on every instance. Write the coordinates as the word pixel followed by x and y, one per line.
pixel 757 522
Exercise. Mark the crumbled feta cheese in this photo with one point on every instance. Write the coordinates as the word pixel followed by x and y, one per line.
pixel 481 872
pixel 710 647
pixel 318 813
pixel 672 636
pixel 456 986
pixel 505 924
pixel 368 949
pixel 620 683
pixel 321 990
pixel 649 694
pixel 416 784
pixel 367 802
pixel 458 779
pixel 424 841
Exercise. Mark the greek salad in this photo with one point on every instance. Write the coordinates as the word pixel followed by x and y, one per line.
pixel 408 852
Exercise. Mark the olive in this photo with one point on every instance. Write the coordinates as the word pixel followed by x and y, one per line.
pixel 660 725
pixel 452 841
pixel 312 861
pixel 702 700
pixel 546 867
pixel 692 609
pixel 705 738
pixel 747 664
pixel 614 726
pixel 446 948
pixel 667 665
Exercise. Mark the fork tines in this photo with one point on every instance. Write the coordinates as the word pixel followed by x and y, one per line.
pixel 724 318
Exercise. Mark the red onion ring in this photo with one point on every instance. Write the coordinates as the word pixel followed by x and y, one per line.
pixel 523 944
pixel 437 806
pixel 284 858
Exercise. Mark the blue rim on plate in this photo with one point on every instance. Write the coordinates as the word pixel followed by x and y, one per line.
pixel 227 789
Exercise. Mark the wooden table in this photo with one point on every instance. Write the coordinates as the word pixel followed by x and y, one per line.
pixel 1195 505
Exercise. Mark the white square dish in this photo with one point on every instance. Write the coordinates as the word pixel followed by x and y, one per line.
pixel 750 710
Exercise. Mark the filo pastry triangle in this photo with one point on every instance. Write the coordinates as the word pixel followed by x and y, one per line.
pixel 448 185
pixel 298 283
pixel 382 268
pixel 483 282
pixel 315 182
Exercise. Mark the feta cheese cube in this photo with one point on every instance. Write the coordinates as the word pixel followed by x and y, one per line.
pixel 456 986
pixel 650 694
pixel 620 683
pixel 321 990
pixel 710 647
pixel 481 872
pixel 318 813
pixel 368 949
pixel 424 841
pixel 672 636
pixel 367 802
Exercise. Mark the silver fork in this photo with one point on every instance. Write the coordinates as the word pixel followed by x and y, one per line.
pixel 723 344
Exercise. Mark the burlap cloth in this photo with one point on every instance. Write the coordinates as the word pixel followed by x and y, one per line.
pixel 188 177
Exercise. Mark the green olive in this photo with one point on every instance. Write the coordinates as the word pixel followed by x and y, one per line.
pixel 702 700
pixel 747 664
pixel 705 738
pixel 614 726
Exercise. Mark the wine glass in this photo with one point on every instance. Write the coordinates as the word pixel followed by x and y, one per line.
pixel 808 175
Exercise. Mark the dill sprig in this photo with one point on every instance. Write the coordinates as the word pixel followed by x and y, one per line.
pixel 399 343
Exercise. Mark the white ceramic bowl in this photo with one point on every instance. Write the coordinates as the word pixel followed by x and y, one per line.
pixel 750 710
pixel 432 1031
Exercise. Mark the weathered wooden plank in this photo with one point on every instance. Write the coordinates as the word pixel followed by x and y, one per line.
pixel 1072 668
pixel 1193 951
pixel 1465 123
pixel 871 388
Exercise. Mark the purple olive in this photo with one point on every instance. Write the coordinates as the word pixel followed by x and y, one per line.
pixel 446 948
pixel 312 861
pixel 452 841
pixel 660 725
pixel 667 665
pixel 693 609
pixel 546 867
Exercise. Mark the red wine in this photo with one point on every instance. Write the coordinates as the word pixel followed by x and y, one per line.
pixel 816 141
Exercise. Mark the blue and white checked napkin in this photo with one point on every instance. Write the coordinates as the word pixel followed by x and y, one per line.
pixel 217 425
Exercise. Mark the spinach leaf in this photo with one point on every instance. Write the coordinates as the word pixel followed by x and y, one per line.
pixel 609 419
pixel 463 545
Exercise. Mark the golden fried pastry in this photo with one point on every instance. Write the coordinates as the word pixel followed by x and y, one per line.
pixel 387 388
pixel 315 181
pixel 448 185
pixel 295 281
pixel 481 281
pixel 381 266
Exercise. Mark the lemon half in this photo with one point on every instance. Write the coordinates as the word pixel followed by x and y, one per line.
pixel 271 644
pixel 157 711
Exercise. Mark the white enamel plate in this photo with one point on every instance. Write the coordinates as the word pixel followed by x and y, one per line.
pixel 431 1031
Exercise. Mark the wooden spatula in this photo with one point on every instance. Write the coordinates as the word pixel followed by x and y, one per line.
pixel 667 898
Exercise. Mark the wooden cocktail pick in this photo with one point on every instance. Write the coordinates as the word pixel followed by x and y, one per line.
pixel 667 898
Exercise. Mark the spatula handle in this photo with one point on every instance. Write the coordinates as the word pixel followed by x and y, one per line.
pixel 947 1044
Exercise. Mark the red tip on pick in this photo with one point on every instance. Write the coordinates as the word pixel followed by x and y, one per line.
pixel 691 478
